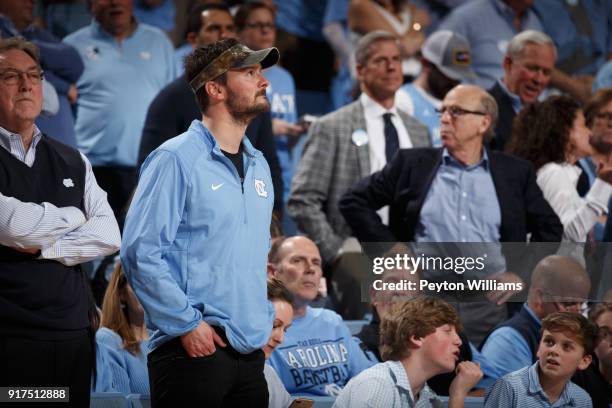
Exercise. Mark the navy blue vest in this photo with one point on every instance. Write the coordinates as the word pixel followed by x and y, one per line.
pixel 527 327
pixel 43 298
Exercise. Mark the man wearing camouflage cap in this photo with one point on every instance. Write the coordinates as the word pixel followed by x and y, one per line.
pixel 196 240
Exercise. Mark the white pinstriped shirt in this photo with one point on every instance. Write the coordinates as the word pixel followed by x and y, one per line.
pixel 384 385
pixel 63 234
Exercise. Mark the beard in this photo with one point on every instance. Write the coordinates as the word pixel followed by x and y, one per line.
pixel 243 109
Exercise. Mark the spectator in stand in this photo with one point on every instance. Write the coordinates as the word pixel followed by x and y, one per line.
pixel 566 347
pixel 446 60
pixel 419 340
pixel 361 138
pixel 123 336
pixel 319 355
pixel 53 217
pixel 489 25
pixel 256 29
pixel 398 17
pixel 558 283
pixel 553 136
pixel 528 66
pixel 597 378
pixel 174 109
pixel 462 192
pixel 61 62
pixel 126 64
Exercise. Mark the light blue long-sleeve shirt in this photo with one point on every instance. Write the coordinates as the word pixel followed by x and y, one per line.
pixel 195 242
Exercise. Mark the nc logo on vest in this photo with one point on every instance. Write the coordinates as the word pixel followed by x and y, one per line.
pixel 260 187
pixel 68 183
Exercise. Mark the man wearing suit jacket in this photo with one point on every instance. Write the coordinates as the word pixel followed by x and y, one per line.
pixel 528 66
pixel 459 193
pixel 349 144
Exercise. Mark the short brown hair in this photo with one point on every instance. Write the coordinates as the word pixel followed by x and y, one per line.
pixel 199 59
pixel 245 10
pixel 417 317
pixel 600 99
pixel 278 291
pixel 19 43
pixel 573 325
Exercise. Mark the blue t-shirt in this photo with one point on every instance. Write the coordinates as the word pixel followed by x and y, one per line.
pixel 119 369
pixel 119 82
pixel 319 355
pixel 281 94
pixel 424 110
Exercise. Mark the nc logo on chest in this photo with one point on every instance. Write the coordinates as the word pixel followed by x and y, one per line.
pixel 260 187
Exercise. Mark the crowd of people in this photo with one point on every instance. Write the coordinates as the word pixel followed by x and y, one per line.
pixel 192 193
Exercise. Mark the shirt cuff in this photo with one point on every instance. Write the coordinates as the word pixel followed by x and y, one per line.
pixel 599 195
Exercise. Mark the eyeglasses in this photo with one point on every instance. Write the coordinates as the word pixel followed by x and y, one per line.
pixel 260 26
pixel 12 76
pixel 456 111
pixel 604 116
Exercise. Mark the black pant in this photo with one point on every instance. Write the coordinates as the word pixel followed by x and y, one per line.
pixel 225 378
pixel 53 363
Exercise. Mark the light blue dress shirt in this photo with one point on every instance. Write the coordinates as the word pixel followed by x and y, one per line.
pixel 522 389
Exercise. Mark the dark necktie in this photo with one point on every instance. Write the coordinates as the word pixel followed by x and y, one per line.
pixel 391 138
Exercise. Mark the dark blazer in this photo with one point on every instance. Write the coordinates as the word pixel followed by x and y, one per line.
pixel 403 184
pixel 503 128
pixel 173 110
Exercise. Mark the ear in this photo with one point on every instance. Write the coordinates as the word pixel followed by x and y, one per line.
pixel 271 270
pixel 585 362
pixel 507 64
pixel 416 341
pixel 215 91
pixel 359 70
pixel 486 122
pixel 191 39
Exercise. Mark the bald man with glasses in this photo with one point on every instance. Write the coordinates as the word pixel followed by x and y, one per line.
pixel 461 192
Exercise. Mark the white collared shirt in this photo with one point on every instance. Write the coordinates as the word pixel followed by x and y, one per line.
pixel 375 128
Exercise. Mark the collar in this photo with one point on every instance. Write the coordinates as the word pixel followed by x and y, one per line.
pixel 448 159
pixel 6 137
pixel 373 109
pixel 517 105
pixel 400 378
pixel 210 140
pixel 98 31
pixel 535 387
